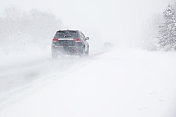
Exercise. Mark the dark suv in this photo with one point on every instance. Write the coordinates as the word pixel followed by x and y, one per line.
pixel 69 42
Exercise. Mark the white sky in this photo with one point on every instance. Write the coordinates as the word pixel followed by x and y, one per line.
pixel 125 18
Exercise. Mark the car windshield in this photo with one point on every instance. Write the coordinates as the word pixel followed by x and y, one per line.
pixel 67 34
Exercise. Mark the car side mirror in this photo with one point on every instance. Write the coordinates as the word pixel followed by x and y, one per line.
pixel 87 38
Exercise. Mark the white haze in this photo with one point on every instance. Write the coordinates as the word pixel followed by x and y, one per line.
pixel 118 78
pixel 119 21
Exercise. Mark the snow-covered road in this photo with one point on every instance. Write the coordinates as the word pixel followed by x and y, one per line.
pixel 121 82
pixel 20 72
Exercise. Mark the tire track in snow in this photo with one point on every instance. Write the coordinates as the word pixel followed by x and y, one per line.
pixel 17 78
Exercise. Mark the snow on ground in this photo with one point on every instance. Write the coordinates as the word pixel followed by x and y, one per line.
pixel 111 82
pixel 121 82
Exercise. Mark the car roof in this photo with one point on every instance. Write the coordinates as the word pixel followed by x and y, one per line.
pixel 67 30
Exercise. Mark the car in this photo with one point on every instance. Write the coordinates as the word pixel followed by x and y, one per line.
pixel 71 42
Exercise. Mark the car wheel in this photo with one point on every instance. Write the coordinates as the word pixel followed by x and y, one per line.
pixel 87 52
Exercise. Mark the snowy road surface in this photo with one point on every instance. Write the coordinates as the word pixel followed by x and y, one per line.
pixel 125 81
pixel 121 82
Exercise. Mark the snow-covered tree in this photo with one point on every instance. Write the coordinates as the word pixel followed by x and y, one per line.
pixel 36 27
pixel 167 31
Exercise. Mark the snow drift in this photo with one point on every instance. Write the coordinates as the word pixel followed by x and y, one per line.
pixel 106 85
